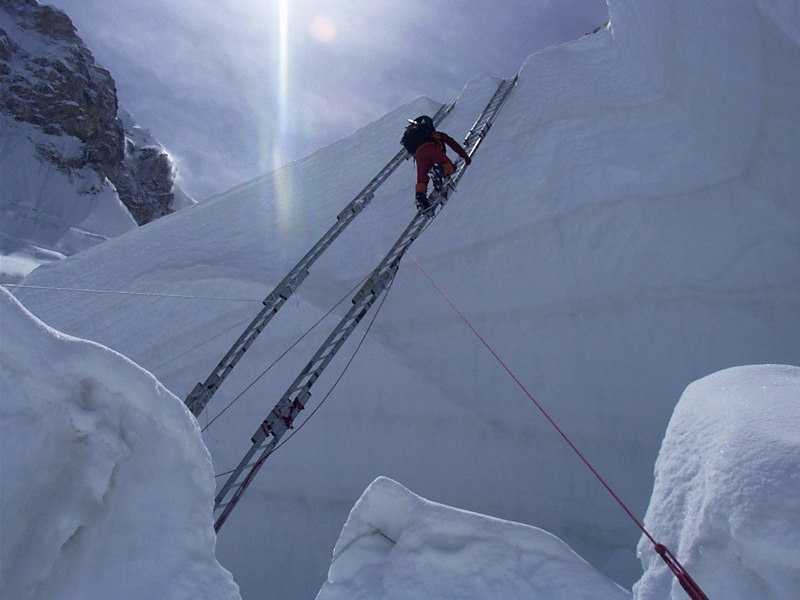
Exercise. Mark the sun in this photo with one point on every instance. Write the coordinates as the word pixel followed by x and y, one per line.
pixel 323 29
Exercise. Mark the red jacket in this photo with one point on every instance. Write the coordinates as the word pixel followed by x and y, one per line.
pixel 434 153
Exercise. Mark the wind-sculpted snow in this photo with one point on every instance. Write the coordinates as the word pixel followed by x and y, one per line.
pixel 630 224
pixel 727 490
pixel 399 546
pixel 106 485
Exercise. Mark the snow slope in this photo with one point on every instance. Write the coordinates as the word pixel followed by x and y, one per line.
pixel 106 486
pixel 727 491
pixel 48 212
pixel 630 225
pixel 396 545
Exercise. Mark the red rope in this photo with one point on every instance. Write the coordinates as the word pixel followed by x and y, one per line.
pixel 687 583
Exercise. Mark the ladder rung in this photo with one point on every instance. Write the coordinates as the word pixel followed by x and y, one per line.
pixel 232 489
pixel 236 486
pixel 244 468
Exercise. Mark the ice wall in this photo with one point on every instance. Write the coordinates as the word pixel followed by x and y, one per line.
pixel 630 225
pixel 727 492
pixel 105 485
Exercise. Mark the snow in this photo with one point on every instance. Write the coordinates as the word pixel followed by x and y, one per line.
pixel 785 14
pixel 396 545
pixel 106 486
pixel 630 225
pixel 727 492
pixel 48 212
pixel 18 264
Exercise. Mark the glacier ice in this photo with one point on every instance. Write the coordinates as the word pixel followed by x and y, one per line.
pixel 105 485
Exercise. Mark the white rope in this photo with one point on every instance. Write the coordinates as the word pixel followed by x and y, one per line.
pixel 120 292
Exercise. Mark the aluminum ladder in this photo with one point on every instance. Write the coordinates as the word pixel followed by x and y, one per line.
pixel 282 417
pixel 199 397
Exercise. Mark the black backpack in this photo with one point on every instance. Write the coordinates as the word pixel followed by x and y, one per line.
pixel 417 133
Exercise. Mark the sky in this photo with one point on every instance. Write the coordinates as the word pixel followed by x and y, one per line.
pixel 236 88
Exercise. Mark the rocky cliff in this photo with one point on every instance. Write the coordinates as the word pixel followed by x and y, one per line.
pixel 49 79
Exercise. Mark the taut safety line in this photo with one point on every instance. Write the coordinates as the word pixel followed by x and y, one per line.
pixel 687 583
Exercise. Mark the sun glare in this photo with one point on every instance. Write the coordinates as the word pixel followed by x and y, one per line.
pixel 283 193
pixel 323 29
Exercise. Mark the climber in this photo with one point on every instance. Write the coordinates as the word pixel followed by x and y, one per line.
pixel 427 146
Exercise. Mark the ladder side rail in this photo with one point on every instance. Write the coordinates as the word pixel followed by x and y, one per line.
pixel 295 398
pixel 492 107
pixel 362 199
pixel 198 397
pixel 281 418
pixel 231 480
pixel 328 348
pixel 201 394
pixel 289 283
pixel 475 126
pixel 225 509
pixel 371 289
pixel 483 123
pixel 495 102
pixel 402 155
pixel 386 172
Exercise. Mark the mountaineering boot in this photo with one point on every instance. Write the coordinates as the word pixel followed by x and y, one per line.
pixel 437 176
pixel 423 204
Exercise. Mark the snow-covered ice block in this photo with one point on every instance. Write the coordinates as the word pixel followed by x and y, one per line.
pixel 105 484
pixel 727 492
pixel 396 545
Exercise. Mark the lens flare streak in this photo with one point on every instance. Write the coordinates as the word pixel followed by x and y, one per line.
pixel 283 191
